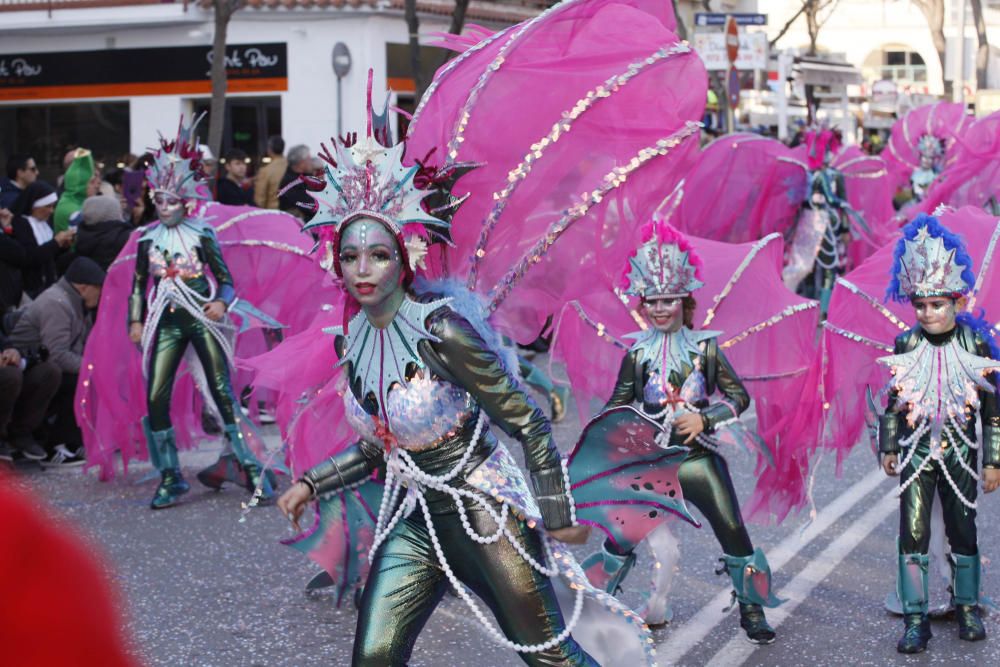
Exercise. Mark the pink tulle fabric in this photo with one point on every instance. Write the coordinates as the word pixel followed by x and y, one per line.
pixel 945 120
pixel 769 335
pixel 744 187
pixel 555 61
pixel 269 259
pixel 973 177
pixel 499 105
pixel 862 326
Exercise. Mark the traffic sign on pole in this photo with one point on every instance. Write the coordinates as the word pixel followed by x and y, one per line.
pixel 733 87
pixel 732 32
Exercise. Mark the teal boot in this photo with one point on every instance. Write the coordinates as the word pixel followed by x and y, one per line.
pixel 751 577
pixel 912 590
pixel 965 577
pixel 226 469
pixel 607 569
pixel 259 483
pixel 163 455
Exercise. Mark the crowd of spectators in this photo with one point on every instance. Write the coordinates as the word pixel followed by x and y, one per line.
pixel 56 245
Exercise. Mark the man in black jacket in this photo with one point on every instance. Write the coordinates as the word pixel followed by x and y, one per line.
pixel 229 189
pixel 27 385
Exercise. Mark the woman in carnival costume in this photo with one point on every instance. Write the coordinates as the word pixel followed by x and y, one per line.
pixel 175 291
pixel 943 373
pixel 425 377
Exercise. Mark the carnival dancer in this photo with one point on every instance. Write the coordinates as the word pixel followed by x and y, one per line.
pixel 943 373
pixel 672 370
pixel 425 377
pixel 922 145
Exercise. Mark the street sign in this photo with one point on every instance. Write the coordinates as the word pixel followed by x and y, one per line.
pixel 733 87
pixel 706 19
pixel 732 33
pixel 341 60
pixel 711 48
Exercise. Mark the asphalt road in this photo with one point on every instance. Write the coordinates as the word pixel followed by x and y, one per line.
pixel 203 588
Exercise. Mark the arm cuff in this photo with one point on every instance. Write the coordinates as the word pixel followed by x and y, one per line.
pixel 991 446
pixel 553 501
pixel 716 414
pixel 888 433
pixel 226 294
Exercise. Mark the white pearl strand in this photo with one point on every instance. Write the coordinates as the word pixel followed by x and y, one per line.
pixel 402 467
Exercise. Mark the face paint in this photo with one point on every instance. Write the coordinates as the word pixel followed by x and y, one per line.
pixel 370 262
pixel 664 314
pixel 936 314
pixel 169 207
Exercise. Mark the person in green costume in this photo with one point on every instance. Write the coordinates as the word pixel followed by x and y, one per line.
pixel 77 186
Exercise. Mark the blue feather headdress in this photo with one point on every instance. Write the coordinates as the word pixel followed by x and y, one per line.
pixel 929 260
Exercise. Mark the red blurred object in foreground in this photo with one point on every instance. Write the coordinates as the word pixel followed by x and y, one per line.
pixel 58 607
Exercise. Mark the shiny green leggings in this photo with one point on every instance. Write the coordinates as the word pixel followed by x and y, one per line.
pixel 706 484
pixel 915 509
pixel 176 329
pixel 406 583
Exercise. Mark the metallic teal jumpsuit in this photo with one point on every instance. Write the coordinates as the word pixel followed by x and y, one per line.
pixel 406 581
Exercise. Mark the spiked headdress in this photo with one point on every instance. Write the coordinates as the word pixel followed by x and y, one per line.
pixel 930 261
pixel 820 139
pixel 930 146
pixel 367 178
pixel 664 265
pixel 176 165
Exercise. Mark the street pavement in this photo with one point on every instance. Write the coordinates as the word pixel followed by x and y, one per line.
pixel 202 587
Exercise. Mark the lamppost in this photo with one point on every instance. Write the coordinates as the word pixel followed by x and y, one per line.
pixel 341 66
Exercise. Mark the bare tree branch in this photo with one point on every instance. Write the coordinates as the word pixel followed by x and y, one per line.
pixel 224 10
pixel 933 11
pixel 787 26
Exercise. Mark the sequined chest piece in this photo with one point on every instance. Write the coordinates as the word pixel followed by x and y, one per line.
pixel 675 354
pixel 173 251
pixel 939 384
pixel 416 414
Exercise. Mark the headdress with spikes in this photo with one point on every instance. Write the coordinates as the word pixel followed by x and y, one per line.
pixel 176 165
pixel 664 265
pixel 367 178
pixel 820 139
pixel 930 146
pixel 929 261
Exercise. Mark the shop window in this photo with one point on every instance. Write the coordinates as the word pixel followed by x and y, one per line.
pixel 48 131
pixel 249 122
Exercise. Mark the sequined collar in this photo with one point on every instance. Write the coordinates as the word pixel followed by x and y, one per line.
pixel 379 357
pixel 181 239
pixel 939 383
pixel 669 353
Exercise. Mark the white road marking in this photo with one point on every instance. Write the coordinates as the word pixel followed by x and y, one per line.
pixel 691 633
pixel 738 649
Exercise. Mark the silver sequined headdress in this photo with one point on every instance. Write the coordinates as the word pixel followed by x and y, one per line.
pixel 176 166
pixel 930 261
pixel 664 265
pixel 367 178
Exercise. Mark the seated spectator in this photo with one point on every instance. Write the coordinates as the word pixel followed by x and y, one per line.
pixel 102 233
pixel 60 320
pixel 21 172
pixel 41 244
pixel 27 385
pixel 12 259
pixel 268 180
pixel 230 189
pixel 296 199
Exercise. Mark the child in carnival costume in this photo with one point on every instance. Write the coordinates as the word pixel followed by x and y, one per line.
pixel 672 370
pixel 943 374
pixel 186 308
